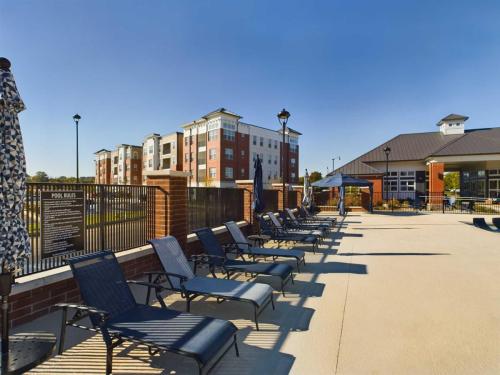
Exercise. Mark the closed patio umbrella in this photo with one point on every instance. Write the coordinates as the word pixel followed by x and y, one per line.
pixel 15 247
pixel 306 201
pixel 258 187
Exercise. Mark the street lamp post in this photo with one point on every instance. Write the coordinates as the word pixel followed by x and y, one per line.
pixel 387 151
pixel 76 119
pixel 333 163
pixel 283 119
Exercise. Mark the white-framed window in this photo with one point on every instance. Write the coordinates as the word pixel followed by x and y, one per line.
pixel 150 150
pixel 275 144
pixel 229 135
pixel 212 172
pixel 275 159
pixel 228 172
pixel 242 171
pixel 407 185
pixel 228 153
pixel 254 140
pixel 269 159
pixel 293 174
pixel 270 143
pixel 212 154
pixel 242 152
pixel 261 143
pixel 150 163
pixel 292 161
pixel 186 157
pixel 212 135
pixel 145 151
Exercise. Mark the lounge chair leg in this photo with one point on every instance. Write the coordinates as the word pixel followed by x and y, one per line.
pixel 282 288
pixel 188 304
pixel 62 334
pixel 272 302
pixel 109 359
pixel 298 265
pixel 256 318
pixel 236 347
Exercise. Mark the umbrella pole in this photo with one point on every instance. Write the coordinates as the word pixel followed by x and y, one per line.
pixel 5 289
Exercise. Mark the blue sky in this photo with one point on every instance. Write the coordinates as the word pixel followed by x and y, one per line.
pixel 352 73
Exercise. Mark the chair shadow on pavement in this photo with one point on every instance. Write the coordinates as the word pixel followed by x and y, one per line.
pixel 390 254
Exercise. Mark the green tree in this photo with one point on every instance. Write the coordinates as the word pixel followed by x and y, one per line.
pixel 315 176
pixel 451 181
pixel 39 176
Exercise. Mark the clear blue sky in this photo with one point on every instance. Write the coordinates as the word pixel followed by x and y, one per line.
pixel 352 73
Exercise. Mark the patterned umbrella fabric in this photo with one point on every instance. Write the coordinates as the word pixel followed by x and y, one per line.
pixel 258 188
pixel 14 239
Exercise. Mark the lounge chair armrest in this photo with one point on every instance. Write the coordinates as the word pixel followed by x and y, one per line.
pixel 148 284
pixel 83 308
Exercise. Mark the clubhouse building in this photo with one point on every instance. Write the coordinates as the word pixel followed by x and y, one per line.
pixel 417 162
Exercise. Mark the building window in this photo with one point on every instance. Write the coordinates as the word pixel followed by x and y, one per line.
pixel 270 144
pixel 212 154
pixel 228 153
pixel 212 172
pixel 186 141
pixel 254 140
pixel 167 148
pixel 254 156
pixel 292 161
pixel 186 157
pixel 150 163
pixel 407 185
pixel 275 159
pixel 228 172
pixel 212 135
pixel 293 174
pixel 242 152
pixel 275 145
pixel 242 172
pixel 269 161
pixel 150 150
pixel 261 143
pixel 229 135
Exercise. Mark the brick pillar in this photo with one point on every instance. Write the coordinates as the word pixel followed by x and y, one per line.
pixel 300 195
pixel 171 211
pixel 247 186
pixel 280 196
pixel 436 184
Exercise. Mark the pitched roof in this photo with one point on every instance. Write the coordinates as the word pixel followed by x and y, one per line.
pixel 420 146
pixel 473 142
pixel 221 110
pixel 452 117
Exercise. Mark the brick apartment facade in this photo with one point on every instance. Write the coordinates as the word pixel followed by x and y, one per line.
pixel 103 167
pixel 219 148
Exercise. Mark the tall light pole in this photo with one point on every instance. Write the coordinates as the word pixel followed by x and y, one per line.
pixel 387 151
pixel 283 119
pixel 333 163
pixel 76 119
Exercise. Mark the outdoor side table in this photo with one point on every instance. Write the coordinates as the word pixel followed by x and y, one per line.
pixel 259 239
pixel 28 350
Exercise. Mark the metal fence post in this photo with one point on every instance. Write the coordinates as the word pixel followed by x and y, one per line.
pixel 102 216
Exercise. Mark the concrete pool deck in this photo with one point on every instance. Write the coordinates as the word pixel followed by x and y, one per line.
pixel 386 294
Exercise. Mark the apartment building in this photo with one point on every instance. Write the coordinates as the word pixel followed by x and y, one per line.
pixel 103 166
pixel 162 152
pixel 219 148
pixel 126 165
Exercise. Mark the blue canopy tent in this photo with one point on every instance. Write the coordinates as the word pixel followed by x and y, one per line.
pixel 342 181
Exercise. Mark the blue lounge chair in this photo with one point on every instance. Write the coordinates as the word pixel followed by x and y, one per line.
pixel 217 258
pixel 307 232
pixel 496 222
pixel 306 215
pixel 180 278
pixel 291 221
pixel 325 224
pixel 481 223
pixel 243 246
pixel 280 236
pixel 114 313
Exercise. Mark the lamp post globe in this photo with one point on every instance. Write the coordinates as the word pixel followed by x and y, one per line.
pixel 76 119
pixel 283 117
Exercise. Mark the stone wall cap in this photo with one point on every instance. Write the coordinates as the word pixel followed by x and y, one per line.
pixel 243 182
pixel 167 172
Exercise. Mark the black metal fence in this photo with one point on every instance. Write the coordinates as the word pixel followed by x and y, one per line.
pixel 116 217
pixel 412 201
pixel 211 207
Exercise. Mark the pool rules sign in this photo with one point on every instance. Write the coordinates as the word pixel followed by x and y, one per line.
pixel 62 219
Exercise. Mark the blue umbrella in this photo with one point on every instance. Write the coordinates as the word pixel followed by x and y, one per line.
pixel 258 187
